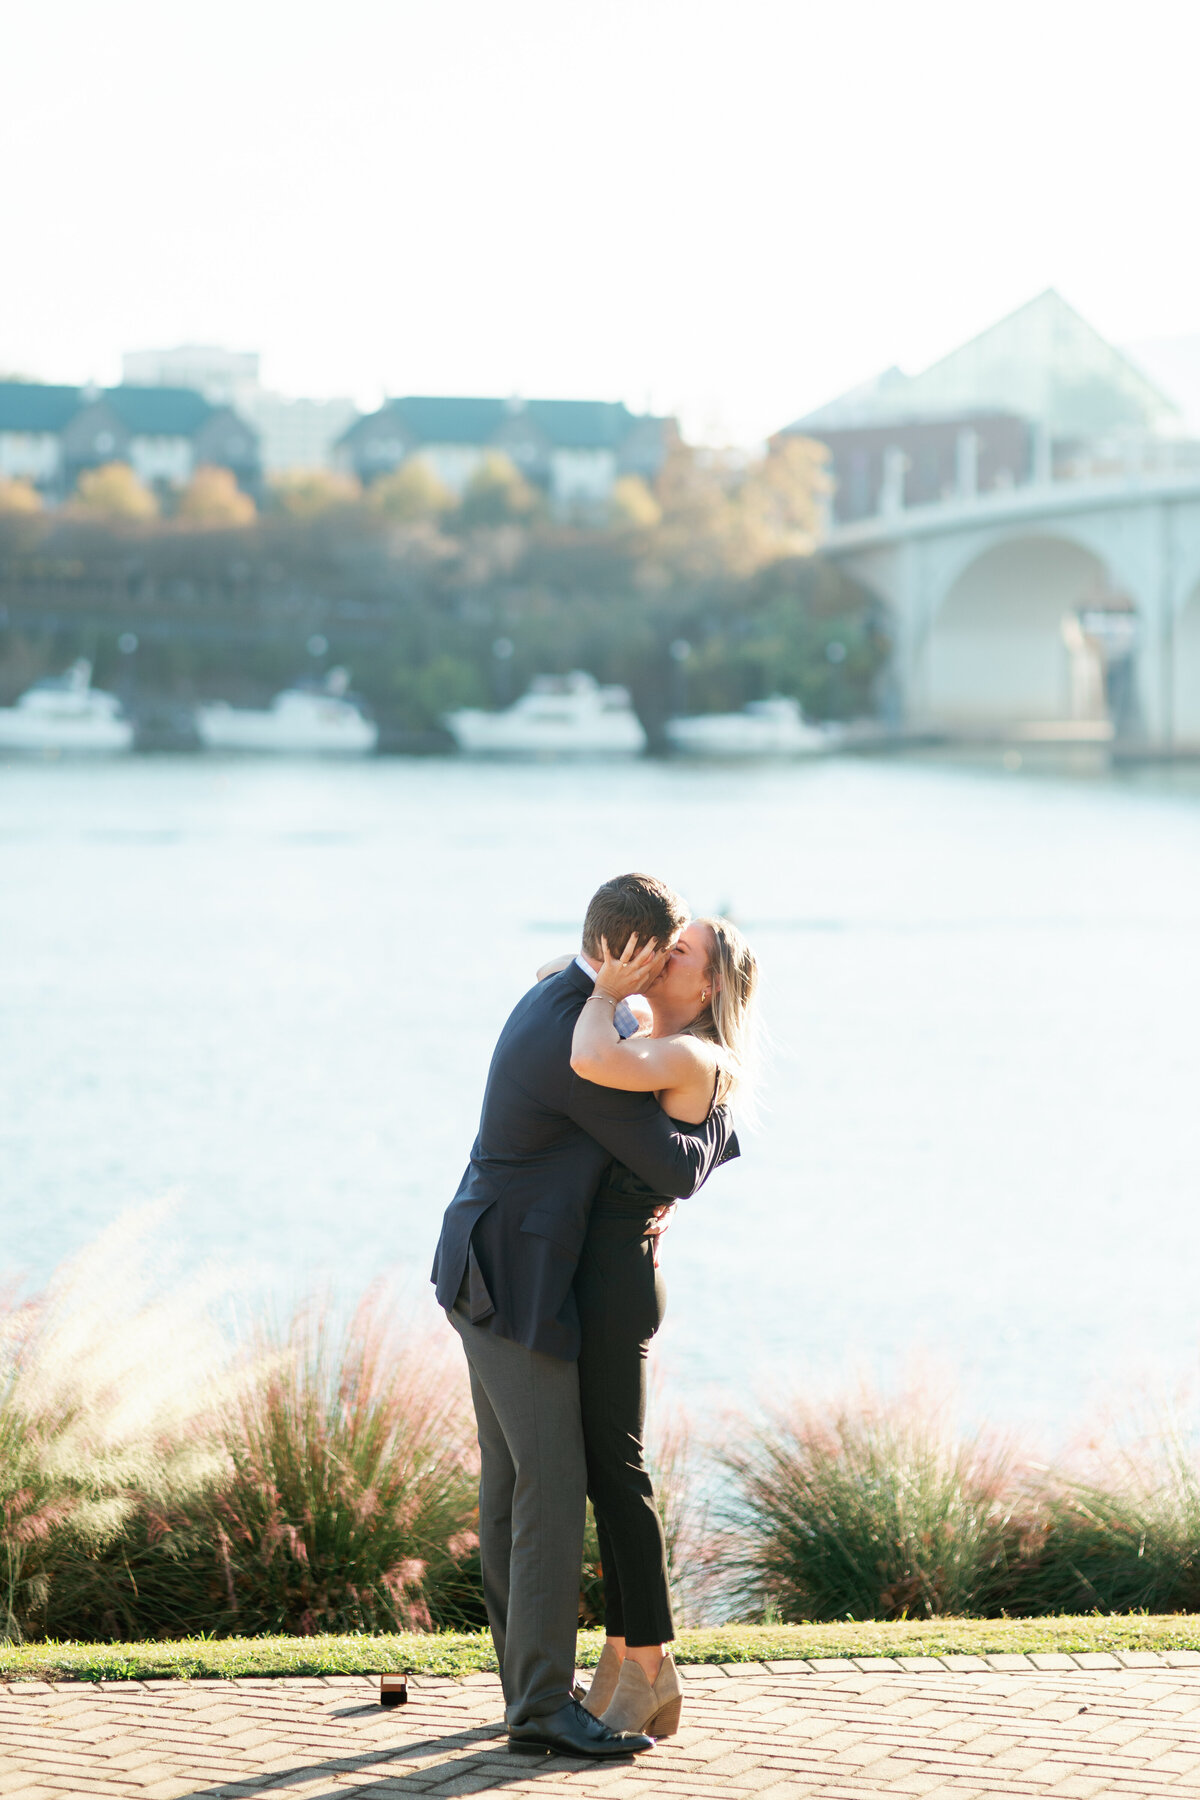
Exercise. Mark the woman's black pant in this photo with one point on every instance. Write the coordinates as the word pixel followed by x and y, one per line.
pixel 621 1304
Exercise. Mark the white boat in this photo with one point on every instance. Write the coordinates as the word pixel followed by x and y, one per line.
pixel 312 718
pixel 65 712
pixel 772 727
pixel 560 715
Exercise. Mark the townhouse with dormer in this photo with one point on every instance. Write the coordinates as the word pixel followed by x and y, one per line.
pixel 49 435
pixel 573 450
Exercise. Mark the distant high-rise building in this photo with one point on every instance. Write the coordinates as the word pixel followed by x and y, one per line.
pixel 293 433
pixel 220 375
pixel 297 434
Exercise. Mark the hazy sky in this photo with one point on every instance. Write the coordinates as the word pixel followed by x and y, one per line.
pixel 731 210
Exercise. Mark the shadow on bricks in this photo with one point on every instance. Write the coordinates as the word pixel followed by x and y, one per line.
pixel 492 1765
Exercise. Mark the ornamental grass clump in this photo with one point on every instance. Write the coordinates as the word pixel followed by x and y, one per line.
pixel 870 1509
pixel 111 1397
pixel 1125 1539
pixel 351 1499
pixel 157 1479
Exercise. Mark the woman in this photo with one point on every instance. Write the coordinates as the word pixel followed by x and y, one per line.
pixel 689 1051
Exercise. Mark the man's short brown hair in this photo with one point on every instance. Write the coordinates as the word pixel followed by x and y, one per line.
pixel 632 903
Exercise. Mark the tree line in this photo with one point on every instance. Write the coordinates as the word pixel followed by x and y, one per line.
pixel 701 590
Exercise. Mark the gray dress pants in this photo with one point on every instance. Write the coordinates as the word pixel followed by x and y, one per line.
pixel 532 1498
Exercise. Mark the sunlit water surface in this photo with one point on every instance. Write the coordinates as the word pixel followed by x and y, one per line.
pixel 275 990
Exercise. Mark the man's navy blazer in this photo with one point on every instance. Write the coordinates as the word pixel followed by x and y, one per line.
pixel 546 1138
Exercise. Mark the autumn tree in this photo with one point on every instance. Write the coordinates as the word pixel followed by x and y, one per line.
pixel 213 497
pixel 697 538
pixel 18 497
pixel 632 507
pixel 725 517
pixel 781 495
pixel 113 492
pixel 497 493
pixel 413 491
pixel 308 493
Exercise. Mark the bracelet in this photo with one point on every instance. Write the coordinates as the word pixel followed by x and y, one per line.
pixel 608 997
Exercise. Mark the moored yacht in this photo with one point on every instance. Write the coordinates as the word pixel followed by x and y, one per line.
pixel 559 715
pixel 771 727
pixel 312 718
pixel 65 712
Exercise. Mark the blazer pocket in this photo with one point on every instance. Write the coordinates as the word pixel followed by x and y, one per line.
pixel 480 1304
pixel 563 1232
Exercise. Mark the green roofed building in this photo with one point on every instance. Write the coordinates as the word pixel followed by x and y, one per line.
pixel 48 435
pixel 574 450
pixel 33 416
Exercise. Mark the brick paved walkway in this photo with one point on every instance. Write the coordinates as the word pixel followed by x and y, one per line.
pixel 1002 1727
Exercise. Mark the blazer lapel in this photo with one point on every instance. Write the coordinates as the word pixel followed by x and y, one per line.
pixel 582 983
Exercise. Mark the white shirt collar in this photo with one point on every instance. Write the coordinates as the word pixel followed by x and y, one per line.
pixel 623 1018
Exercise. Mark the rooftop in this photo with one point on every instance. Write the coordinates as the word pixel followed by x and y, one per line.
pixel 567 424
pixel 143 411
pixel 158 411
pixel 1043 361
pixel 31 406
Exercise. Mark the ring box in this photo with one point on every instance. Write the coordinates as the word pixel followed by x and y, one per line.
pixel 393 1690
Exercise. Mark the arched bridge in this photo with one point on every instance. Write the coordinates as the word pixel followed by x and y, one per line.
pixel 1064 604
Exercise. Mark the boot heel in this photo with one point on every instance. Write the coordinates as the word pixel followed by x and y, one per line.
pixel 665 1722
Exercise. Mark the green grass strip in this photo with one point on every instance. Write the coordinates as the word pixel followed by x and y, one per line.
pixel 463 1653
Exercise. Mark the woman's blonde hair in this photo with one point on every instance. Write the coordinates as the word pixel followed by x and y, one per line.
pixel 733 978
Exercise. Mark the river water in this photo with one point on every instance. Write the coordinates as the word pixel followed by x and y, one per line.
pixel 274 989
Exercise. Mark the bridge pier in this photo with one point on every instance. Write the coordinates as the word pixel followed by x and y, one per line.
pixel 1156 604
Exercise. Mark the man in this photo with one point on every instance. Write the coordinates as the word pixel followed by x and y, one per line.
pixel 504 1268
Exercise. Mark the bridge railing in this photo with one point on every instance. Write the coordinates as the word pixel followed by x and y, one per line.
pixel 1085 473
pixel 1136 460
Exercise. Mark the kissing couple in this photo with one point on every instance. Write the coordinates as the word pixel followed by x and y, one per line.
pixel 606 1101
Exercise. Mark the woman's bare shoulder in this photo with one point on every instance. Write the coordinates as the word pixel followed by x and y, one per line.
pixel 697 1052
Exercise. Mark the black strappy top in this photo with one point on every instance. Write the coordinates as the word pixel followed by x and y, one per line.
pixel 624 1194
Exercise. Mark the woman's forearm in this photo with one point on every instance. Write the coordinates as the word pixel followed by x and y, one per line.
pixel 639 1065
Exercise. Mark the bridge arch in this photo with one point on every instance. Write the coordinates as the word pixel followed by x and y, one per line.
pixel 996 652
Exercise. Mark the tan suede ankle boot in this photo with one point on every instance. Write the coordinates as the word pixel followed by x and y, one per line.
pixel 642 1705
pixel 604 1681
